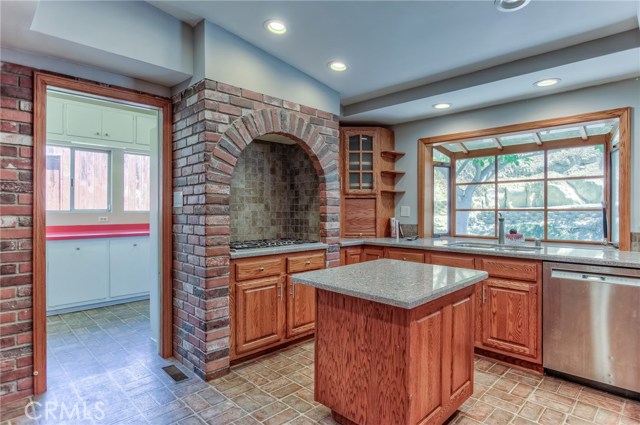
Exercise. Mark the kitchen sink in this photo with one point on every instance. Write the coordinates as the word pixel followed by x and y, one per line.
pixel 480 245
pixel 495 247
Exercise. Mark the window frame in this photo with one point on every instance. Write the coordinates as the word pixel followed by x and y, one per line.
pixel 599 140
pixel 450 187
pixel 622 114
pixel 72 164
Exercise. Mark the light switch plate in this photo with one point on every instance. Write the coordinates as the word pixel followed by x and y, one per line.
pixel 103 219
pixel 177 199
pixel 405 211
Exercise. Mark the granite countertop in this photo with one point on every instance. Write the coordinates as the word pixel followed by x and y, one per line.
pixel 244 253
pixel 557 252
pixel 393 282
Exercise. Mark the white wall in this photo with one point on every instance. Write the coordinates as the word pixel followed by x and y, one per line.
pixel 231 60
pixel 607 96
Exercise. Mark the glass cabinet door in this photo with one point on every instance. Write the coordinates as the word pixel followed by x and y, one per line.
pixel 360 167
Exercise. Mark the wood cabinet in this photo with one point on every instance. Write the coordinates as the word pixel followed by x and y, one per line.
pixel 452 260
pixel 266 308
pixel 350 255
pixel 360 218
pixel 416 256
pixel 510 320
pixel 367 164
pixel 508 305
pixel 259 313
pixel 370 253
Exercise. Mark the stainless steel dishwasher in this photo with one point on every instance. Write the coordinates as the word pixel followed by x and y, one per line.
pixel 591 324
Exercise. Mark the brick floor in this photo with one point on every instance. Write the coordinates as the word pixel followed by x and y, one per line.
pixel 105 355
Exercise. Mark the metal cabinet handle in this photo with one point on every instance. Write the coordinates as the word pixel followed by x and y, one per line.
pixel 404 258
pixel 281 294
pixel 308 262
pixel 261 269
pixel 77 249
pixel 106 134
pixel 484 294
pixel 293 289
pixel 97 133
pixel 135 244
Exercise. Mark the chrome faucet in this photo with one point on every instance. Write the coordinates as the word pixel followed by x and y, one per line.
pixel 500 229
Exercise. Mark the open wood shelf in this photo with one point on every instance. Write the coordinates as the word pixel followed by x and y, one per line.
pixel 392 173
pixel 394 154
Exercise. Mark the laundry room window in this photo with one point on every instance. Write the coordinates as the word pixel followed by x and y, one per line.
pixel 77 179
pixel 137 174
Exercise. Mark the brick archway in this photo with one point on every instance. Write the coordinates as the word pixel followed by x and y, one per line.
pixel 219 168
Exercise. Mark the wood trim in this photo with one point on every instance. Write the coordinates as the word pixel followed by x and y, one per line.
pixel 531 125
pixel 42 81
pixel 624 207
pixel 622 114
pixel 566 143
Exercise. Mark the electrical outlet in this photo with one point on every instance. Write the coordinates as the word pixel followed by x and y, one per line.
pixel 103 219
pixel 405 211
pixel 177 199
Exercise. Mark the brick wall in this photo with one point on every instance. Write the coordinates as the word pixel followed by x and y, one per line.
pixel 16 211
pixel 213 123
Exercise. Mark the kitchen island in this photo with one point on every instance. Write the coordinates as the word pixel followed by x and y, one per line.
pixel 394 341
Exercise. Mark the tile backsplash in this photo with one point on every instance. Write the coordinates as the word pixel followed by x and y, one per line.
pixel 275 193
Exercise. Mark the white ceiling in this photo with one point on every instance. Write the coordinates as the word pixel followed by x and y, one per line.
pixel 403 56
pixel 398 50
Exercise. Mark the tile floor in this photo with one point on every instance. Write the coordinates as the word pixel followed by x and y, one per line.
pixel 104 355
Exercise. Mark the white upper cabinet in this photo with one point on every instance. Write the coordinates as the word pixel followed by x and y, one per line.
pixel 55 116
pixel 146 130
pixel 84 121
pixel 68 120
pixel 117 126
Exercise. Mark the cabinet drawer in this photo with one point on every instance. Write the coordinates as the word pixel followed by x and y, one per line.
pixel 511 269
pixel 453 261
pixel 405 255
pixel 303 263
pixel 258 268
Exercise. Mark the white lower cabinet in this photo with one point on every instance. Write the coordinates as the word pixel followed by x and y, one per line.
pixel 129 267
pixel 77 272
pixel 93 272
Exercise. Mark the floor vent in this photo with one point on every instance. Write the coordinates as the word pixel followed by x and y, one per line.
pixel 175 373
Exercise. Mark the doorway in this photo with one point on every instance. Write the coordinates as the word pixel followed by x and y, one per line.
pixel 102 224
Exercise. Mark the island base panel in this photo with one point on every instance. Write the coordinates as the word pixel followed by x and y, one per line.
pixel 380 364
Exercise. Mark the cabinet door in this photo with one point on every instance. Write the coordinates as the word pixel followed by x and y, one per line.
pixel 146 130
pixel 77 272
pixel 452 260
pixel 55 117
pixel 301 308
pixel 84 121
pixel 360 162
pixel 405 255
pixel 359 217
pixel 351 255
pixel 259 313
pixel 129 267
pixel 370 254
pixel 510 319
pixel 117 126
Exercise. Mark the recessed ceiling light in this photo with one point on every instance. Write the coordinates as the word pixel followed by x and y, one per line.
pixel 337 66
pixel 548 82
pixel 510 5
pixel 275 26
pixel 442 105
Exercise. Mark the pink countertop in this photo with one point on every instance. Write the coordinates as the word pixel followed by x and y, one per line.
pixel 59 233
